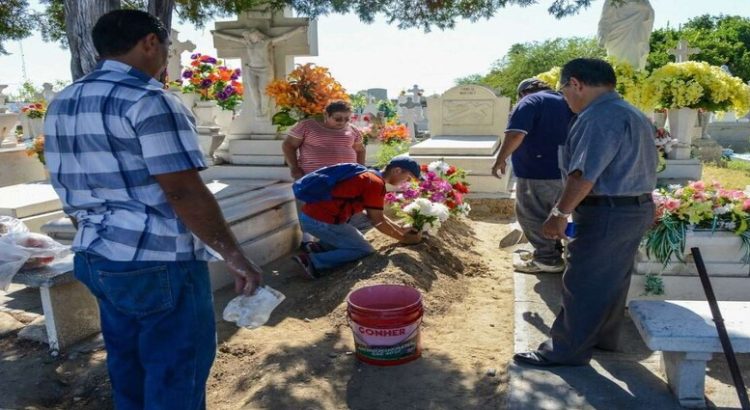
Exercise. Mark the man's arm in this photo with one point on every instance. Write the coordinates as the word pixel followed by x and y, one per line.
pixel 383 224
pixel 289 147
pixel 512 141
pixel 198 210
pixel 575 190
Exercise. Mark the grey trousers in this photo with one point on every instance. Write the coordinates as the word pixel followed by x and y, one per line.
pixel 535 198
pixel 596 281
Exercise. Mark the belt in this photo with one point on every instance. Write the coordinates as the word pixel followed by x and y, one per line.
pixel 616 200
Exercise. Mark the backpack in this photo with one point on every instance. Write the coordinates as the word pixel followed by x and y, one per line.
pixel 318 185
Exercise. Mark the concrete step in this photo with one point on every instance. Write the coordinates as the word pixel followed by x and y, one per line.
pixel 271 246
pixel 247 172
pixel 258 159
pixel 680 287
pixel 489 184
pixel 255 147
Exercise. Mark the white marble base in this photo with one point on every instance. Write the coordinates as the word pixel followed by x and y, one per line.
pixel 247 172
pixel 271 160
pixel 24 200
pixel 18 168
pixel 255 147
pixel 447 145
pixel 682 169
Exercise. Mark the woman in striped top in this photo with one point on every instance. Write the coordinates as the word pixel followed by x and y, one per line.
pixel 313 144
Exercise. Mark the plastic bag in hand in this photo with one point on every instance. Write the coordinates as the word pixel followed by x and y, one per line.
pixel 253 311
pixel 21 249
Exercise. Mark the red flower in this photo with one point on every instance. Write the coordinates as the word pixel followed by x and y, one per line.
pixel 460 187
pixel 423 167
pixel 451 170
pixel 450 204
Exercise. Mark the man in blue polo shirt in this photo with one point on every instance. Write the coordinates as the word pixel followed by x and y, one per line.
pixel 537 126
pixel 124 158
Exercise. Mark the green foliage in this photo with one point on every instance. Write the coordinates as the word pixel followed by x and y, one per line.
pixel 16 21
pixel 472 79
pixel 388 108
pixel 665 240
pixel 528 59
pixel 654 285
pixel 721 39
pixel 358 101
pixel 29 92
pixel 387 151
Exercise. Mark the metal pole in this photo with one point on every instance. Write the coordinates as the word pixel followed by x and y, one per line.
pixel 726 344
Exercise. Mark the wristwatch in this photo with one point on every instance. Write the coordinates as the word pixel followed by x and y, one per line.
pixel 557 213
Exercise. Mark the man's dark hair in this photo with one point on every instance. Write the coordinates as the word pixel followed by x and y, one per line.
pixel 590 71
pixel 117 32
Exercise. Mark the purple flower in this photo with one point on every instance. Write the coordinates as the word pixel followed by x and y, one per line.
pixel 236 74
pixel 442 185
pixel 187 74
pixel 430 176
pixel 229 90
pixel 221 96
pixel 210 60
pixel 390 197
pixel 411 193
pixel 437 197
pixel 205 83
pixel 195 56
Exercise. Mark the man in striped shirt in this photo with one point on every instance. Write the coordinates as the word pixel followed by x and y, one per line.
pixel 124 158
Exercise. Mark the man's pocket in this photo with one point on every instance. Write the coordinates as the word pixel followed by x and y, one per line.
pixel 138 292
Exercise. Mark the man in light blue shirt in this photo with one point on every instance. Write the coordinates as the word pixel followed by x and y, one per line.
pixel 124 158
pixel 609 161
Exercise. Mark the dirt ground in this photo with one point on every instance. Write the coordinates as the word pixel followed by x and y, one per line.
pixel 302 358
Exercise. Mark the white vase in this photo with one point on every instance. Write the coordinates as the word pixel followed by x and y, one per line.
pixel 681 126
pixel 224 119
pixel 205 113
pixel 36 127
pixel 188 99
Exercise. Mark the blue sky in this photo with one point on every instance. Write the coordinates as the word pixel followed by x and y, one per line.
pixel 364 56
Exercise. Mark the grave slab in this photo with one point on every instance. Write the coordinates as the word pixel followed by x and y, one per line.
pixel 451 145
pixel 23 200
pixel 255 147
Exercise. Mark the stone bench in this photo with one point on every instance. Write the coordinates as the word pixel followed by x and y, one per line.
pixel 685 333
pixel 71 312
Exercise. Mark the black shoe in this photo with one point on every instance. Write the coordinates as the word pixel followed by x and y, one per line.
pixel 534 358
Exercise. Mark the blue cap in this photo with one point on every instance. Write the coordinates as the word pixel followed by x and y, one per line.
pixel 406 163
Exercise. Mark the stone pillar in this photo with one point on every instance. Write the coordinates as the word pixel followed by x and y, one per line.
pixel 686 375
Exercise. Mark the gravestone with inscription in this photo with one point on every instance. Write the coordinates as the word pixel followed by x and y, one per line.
pixel 467 124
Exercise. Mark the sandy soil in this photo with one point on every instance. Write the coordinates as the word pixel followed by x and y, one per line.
pixel 302 359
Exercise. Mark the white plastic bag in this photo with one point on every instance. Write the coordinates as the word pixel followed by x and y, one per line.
pixel 253 311
pixel 21 249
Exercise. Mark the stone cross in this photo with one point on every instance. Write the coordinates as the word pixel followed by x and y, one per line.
pixel 266 43
pixel 416 93
pixel 409 112
pixel 174 59
pixel 683 52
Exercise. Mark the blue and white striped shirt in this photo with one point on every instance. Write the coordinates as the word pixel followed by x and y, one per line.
pixel 106 136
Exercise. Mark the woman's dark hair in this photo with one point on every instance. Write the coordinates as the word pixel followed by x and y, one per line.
pixel 338 106
pixel 118 31
pixel 590 71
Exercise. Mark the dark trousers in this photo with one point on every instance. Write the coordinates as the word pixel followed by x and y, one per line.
pixel 158 327
pixel 596 281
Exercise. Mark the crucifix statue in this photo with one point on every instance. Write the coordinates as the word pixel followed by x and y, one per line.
pixel 257 71
pixel 416 93
pixel 176 48
pixel 410 111
pixel 683 52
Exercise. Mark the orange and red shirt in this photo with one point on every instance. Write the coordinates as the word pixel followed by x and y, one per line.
pixel 351 196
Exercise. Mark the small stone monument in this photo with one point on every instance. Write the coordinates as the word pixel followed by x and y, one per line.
pixel 266 43
pixel 8 123
pixel 409 112
pixel 467 124
pixel 174 59
pixel 48 94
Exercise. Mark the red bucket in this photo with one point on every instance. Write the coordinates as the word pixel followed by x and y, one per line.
pixel 385 320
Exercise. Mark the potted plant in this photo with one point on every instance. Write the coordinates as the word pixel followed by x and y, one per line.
pixel 34 114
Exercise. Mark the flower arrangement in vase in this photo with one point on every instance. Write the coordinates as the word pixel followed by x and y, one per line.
pixel 304 93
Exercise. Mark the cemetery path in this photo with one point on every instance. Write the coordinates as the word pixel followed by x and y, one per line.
pixel 302 358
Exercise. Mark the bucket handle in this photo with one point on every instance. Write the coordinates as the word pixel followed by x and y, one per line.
pixel 407 337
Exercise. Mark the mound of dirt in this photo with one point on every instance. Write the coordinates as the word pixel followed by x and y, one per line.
pixel 434 266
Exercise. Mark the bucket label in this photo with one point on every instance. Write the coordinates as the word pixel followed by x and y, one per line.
pixel 386 344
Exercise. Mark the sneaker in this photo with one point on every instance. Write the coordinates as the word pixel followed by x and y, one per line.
pixel 532 266
pixel 312 247
pixel 304 261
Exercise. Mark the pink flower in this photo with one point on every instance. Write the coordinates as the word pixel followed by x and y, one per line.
pixel 437 197
pixel 697 185
pixel 390 197
pixel 672 204
pixel 411 193
pixel 746 205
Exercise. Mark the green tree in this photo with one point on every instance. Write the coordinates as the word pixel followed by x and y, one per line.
pixel 721 39
pixel 528 59
pixel 470 79
pixel 16 21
